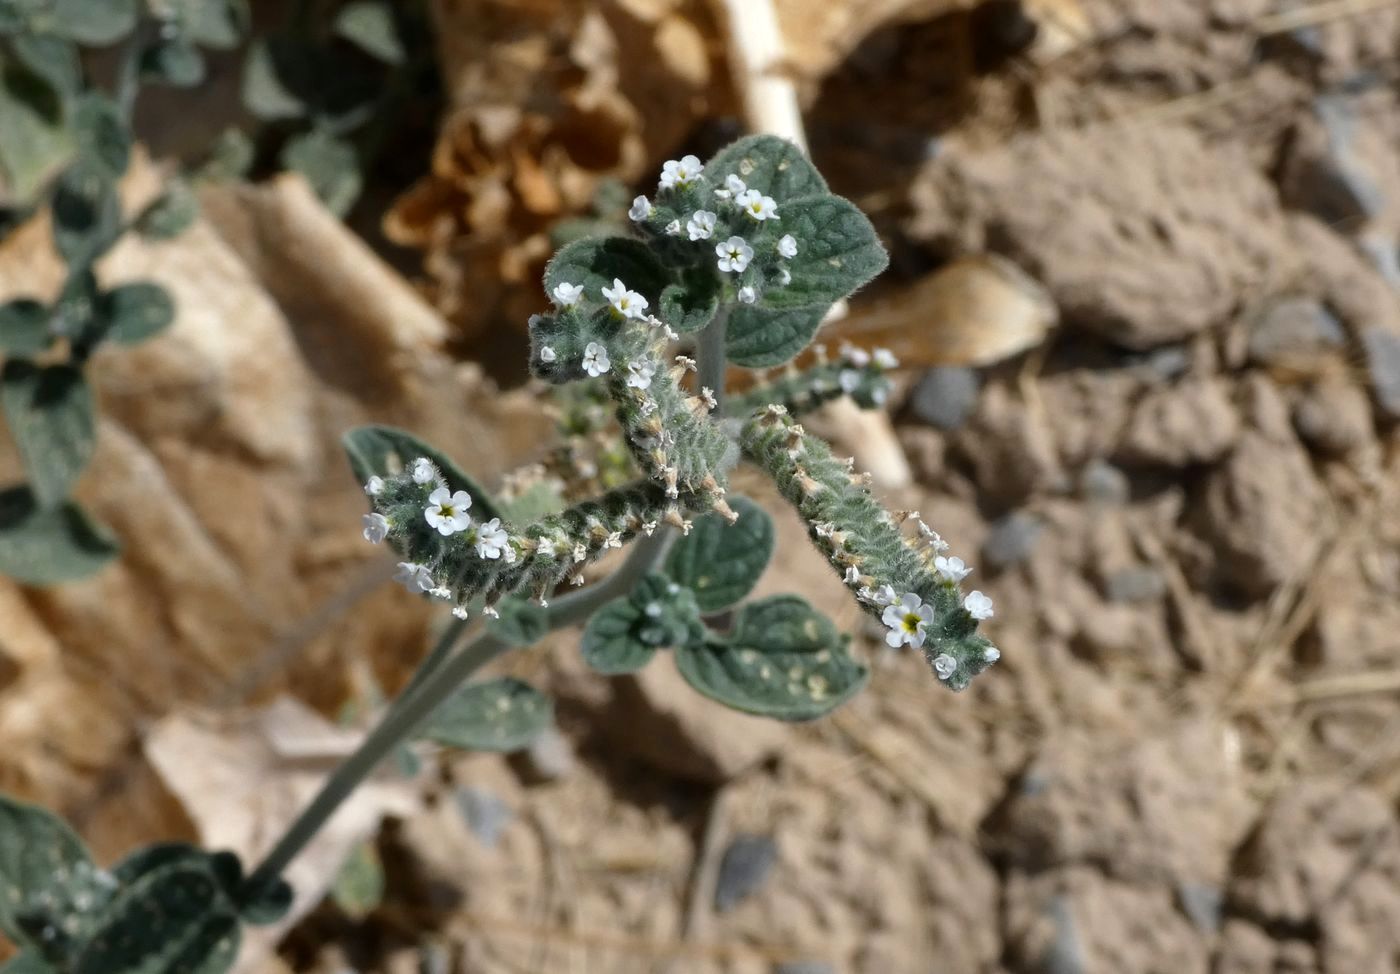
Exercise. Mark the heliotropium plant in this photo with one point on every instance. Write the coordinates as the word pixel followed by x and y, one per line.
pixel 735 261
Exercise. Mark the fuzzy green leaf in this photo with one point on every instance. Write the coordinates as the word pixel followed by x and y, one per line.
pixel 50 412
pixel 86 213
pixel 34 141
pixel 383 451
pixel 609 643
pixel 769 164
pixel 275 79
pixel 170 214
pixel 55 59
pixel 520 622
pixel 838 251
pixel 135 312
pixel 721 562
pixel 43 866
pixel 103 136
pixel 760 338
pixel 330 164
pixel 95 23
pixel 369 25
pixel 219 24
pixel 594 262
pixel 24 327
pixel 498 715
pixel 783 659
pixel 624 634
pixel 691 304
pixel 359 886
pixel 174 61
pixel 40 546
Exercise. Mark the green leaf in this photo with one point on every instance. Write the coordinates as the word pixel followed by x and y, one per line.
pixel 50 412
pixel 783 660
pixel 174 61
pixel 384 451
pixel 135 312
pixel 721 562
pixel 330 164
pixel 95 23
pixel 231 157
pixel 24 327
pixel 596 261
pixel 838 251
pixel 34 142
pixel 369 25
pixel 43 866
pixel 359 886
pixel 219 24
pixel 102 134
pixel 47 546
pixel 76 312
pixel 521 622
pixel 28 962
pixel 535 503
pixel 86 213
pixel 275 79
pixel 609 641
pixel 52 58
pixel 769 164
pixel 498 715
pixel 170 214
pixel 691 304
pixel 759 338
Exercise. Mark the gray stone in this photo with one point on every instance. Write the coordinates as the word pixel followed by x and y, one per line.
pixel 486 815
pixel 805 967
pixel 1065 954
pixel 945 397
pixel 1169 363
pixel 1143 584
pixel 1011 539
pixel 1326 176
pixel 1383 364
pixel 1203 904
pixel 1334 417
pixel 550 755
pixel 1292 329
pixel 746 865
pixel 1385 255
pixel 1103 483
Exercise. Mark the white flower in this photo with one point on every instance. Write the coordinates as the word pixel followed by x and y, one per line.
pixel 884 595
pixel 681 173
pixel 567 295
pixel 701 225
pixel 885 359
pixel 547 354
pixel 376 528
pixel 423 470
pixel 734 255
pixel 441 592
pixel 447 511
pixel 374 486
pixel 849 380
pixel 784 276
pixel 627 303
pixel 953 569
pixel 595 359
pixel 747 294
pixel 824 528
pixel 787 245
pixel 491 611
pixel 858 357
pixel 907 619
pixel 852 575
pixel 639 374
pixel 414 577
pixel 978 605
pixel 733 188
pixel 758 206
pixel 491 539
pixel 991 654
pixel 944 665
pixel 674 228
pixel 460 611
pixel 641 209
pixel 931 537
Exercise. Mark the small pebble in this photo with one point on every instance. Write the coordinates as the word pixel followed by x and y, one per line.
pixel 1103 483
pixel 1011 539
pixel 486 815
pixel 744 868
pixel 805 967
pixel 945 397
pixel 1202 904
pixel 550 755
pixel 1135 585
pixel 1292 329
pixel 1383 362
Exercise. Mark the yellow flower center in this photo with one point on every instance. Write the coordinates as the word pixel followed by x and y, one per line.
pixel 911 622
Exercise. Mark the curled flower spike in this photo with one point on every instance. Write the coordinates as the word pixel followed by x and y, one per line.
pixel 641 209
pixel 758 206
pixel 907 621
pixel 424 471
pixel 567 295
pixel 595 359
pixel 701 225
pixel 978 606
pixel 734 255
pixel 734 187
pixel 681 173
pixel 787 246
pixel 491 539
pixel 628 304
pixel 447 512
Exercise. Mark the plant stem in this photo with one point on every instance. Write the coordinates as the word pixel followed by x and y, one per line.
pixel 710 352
pixel 129 71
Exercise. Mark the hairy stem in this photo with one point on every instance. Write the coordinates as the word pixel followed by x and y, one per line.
pixel 710 353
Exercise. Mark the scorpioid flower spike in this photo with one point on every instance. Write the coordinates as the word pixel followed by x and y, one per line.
pixel 787 245
pixel 641 209
pixel 681 173
pixel 447 512
pixel 758 206
pixel 733 188
pixel 627 303
pixel 423 470
pixel 376 528
pixel 907 620
pixel 595 359
pixel 567 295
pixel 978 605
pixel 734 255
pixel 701 225
pixel 491 539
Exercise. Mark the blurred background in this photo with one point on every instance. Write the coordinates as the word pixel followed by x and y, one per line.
pixel 1144 285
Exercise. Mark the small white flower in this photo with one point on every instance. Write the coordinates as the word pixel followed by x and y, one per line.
pixel 653 610
pixel 858 357
pixel 491 539
pixel 784 276
pixel 414 577
pixel 649 528
pixel 447 511
pixel 491 611
pixel 547 354
pixel 907 620
pixel 747 294
pixel 952 569
pixel 673 229
pixel 641 209
pixel 423 470
pixel 374 486
pixel 376 528
pixel 441 592
pixel 707 396
pixel 978 605
pixel 758 206
pixel 787 245
pixel 931 537
pixel 545 548
pixel 681 173
pixel 701 225
pixel 991 654
pixel 849 380
pixel 627 303
pixel 944 665
pixel 460 611
pixel 639 374
pixel 580 552
pixel 733 188
pixel 852 575
pixel 567 295
pixel 613 540
pixel 885 359
pixel 595 359
pixel 734 254
pixel 824 529
pixel 884 595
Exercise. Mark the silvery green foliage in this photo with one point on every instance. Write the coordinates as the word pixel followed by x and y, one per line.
pixel 68 916
pixel 753 244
